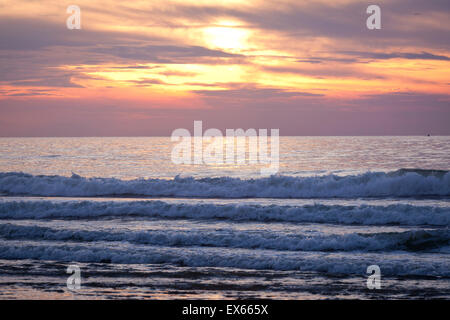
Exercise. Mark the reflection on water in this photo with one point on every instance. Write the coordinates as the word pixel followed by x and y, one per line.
pixel 128 158
pixel 110 281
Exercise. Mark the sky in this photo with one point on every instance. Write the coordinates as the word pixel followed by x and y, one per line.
pixel 146 68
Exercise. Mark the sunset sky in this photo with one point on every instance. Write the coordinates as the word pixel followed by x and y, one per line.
pixel 139 68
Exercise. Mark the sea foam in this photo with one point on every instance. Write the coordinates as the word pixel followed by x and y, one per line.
pixel 394 214
pixel 402 183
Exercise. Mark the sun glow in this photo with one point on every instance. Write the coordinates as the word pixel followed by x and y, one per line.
pixel 227 36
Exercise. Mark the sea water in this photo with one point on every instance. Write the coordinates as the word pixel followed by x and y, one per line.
pixel 140 226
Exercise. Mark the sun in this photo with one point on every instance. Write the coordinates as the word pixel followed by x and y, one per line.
pixel 227 36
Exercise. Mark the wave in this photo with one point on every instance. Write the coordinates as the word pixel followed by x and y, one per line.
pixel 395 214
pixel 418 240
pixel 330 263
pixel 401 183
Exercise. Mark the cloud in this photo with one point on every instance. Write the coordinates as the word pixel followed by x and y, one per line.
pixel 390 114
pixel 163 53
pixel 404 55
pixel 255 93
pixel 62 81
pixel 135 67
pixel 295 51
pixel 325 71
pixel 18 33
pixel 170 73
pixel 145 82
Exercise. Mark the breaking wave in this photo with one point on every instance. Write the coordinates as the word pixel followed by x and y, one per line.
pixel 416 240
pixel 330 263
pixel 395 214
pixel 401 183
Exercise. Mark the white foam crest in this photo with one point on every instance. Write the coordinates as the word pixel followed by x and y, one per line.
pixel 417 240
pixel 330 263
pixel 370 184
pixel 395 214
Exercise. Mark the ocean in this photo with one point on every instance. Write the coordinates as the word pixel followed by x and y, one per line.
pixel 139 226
